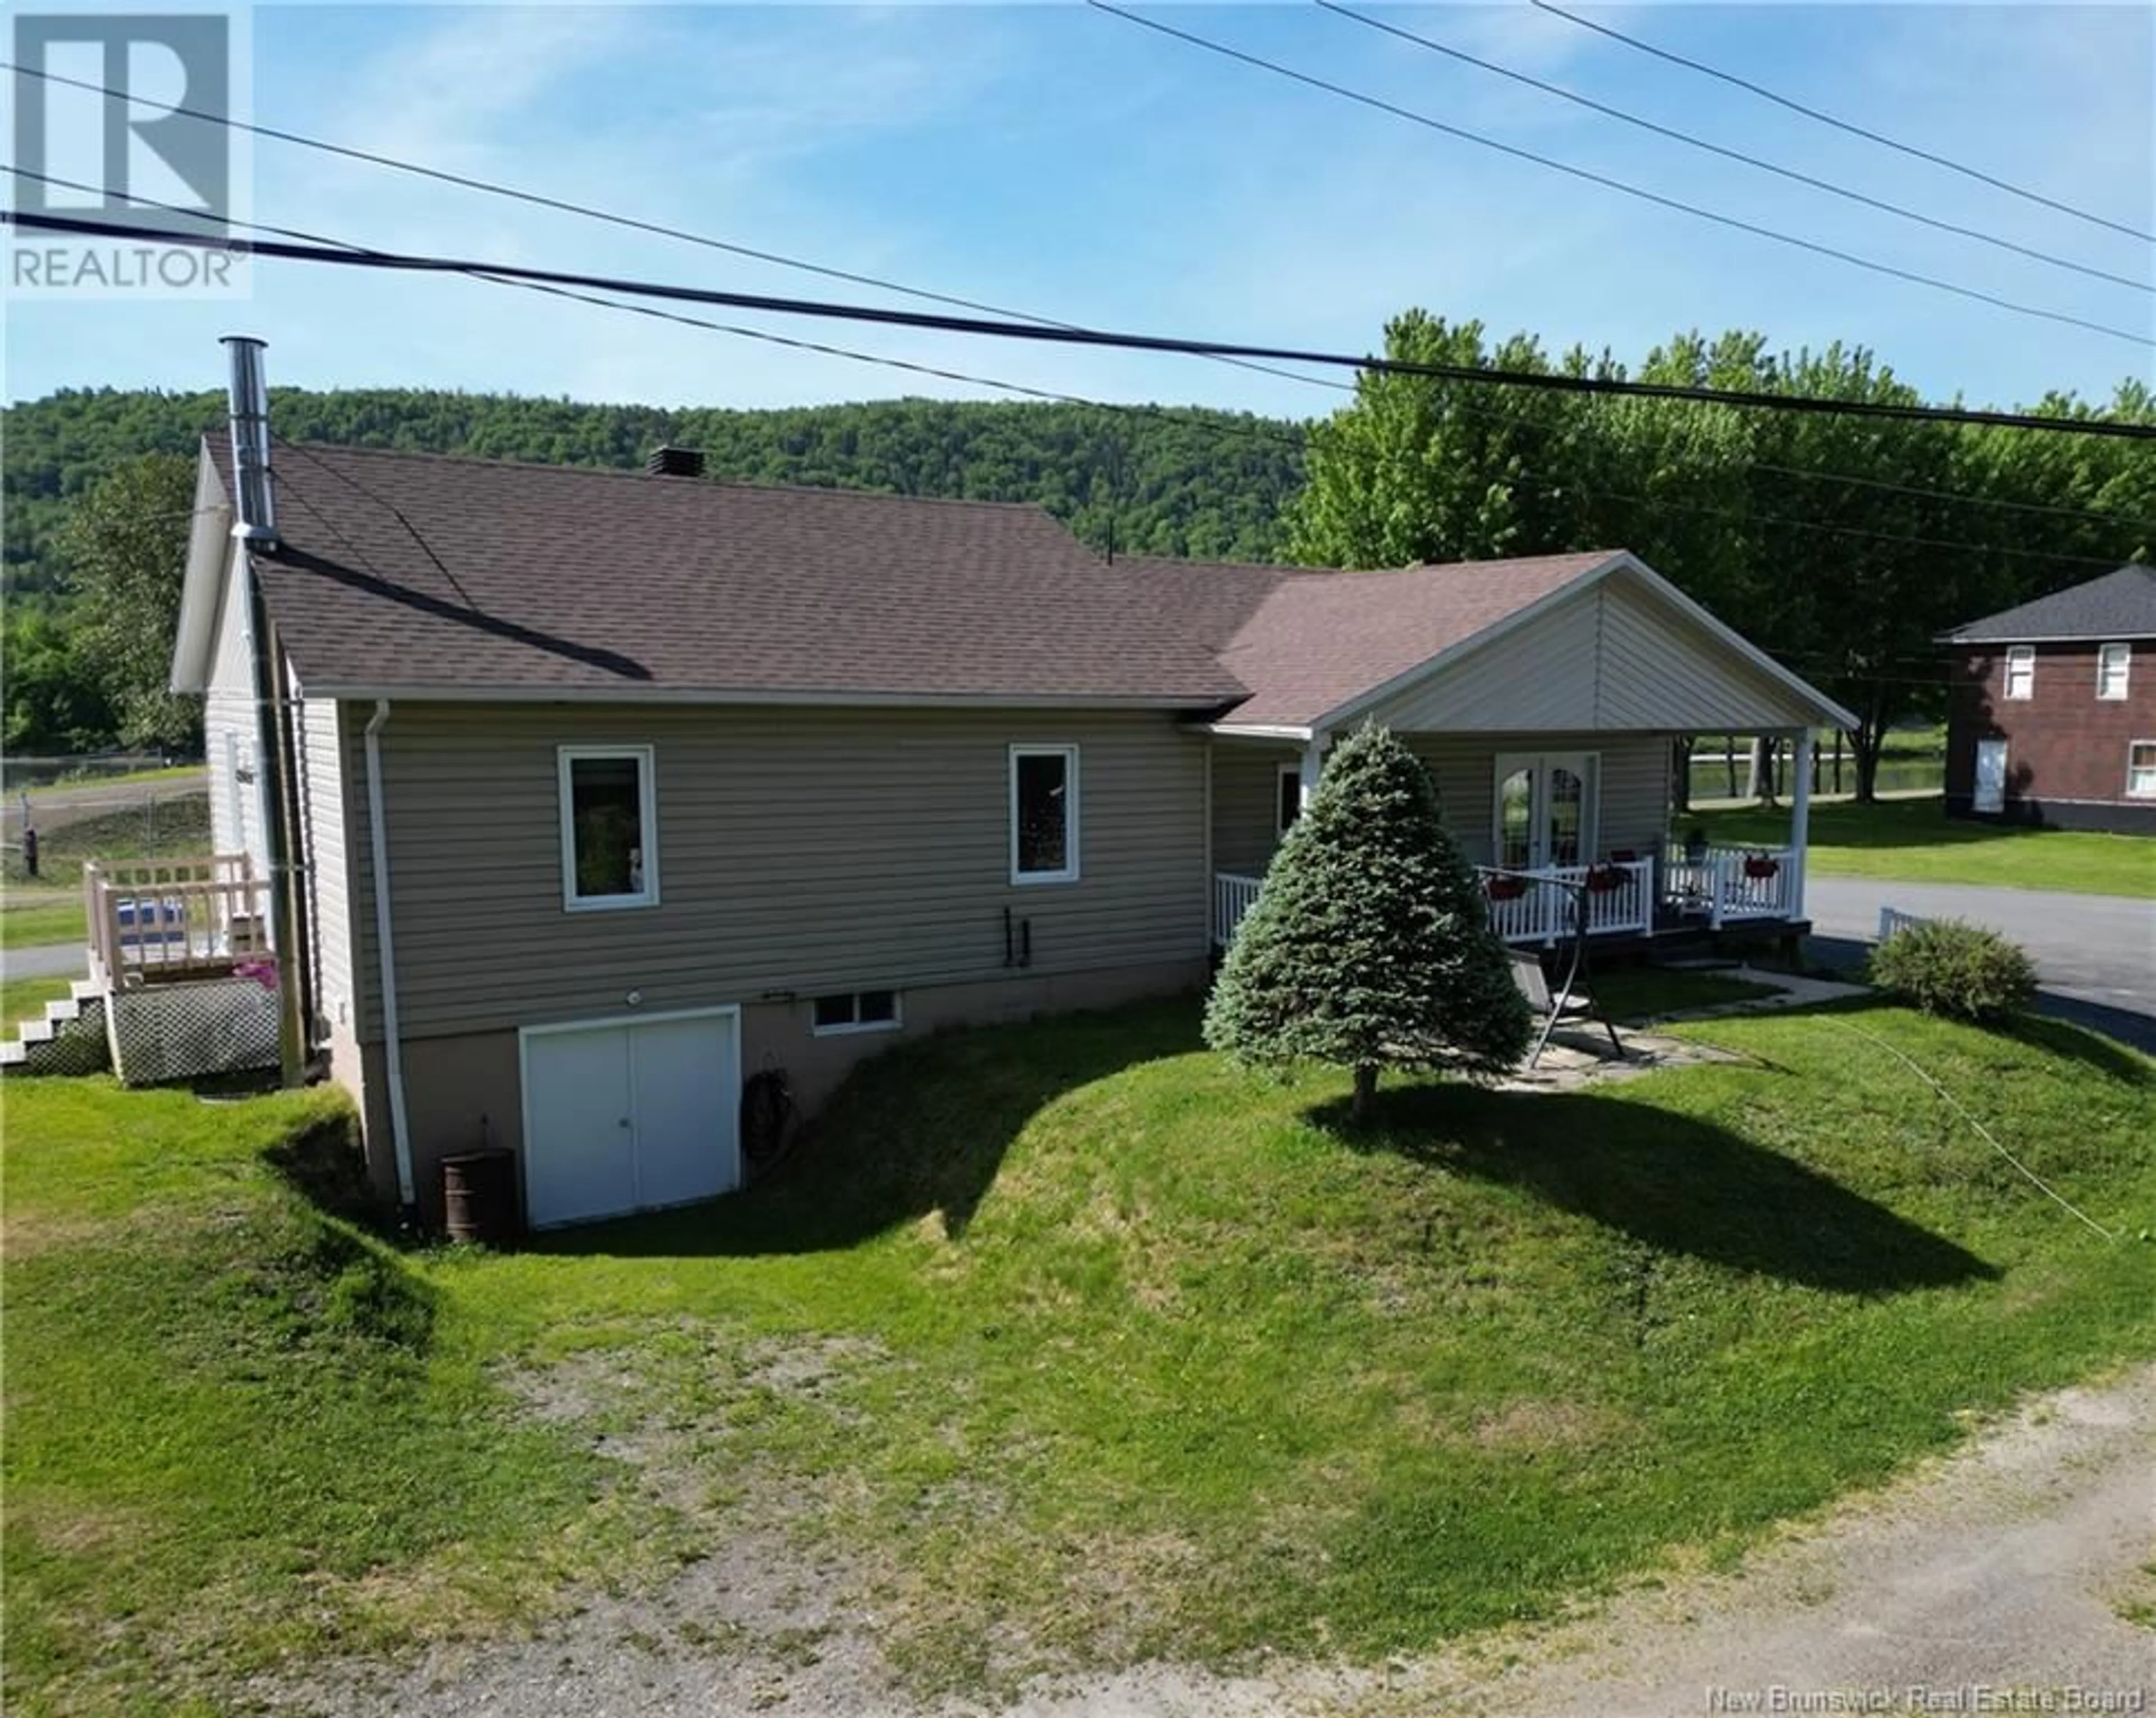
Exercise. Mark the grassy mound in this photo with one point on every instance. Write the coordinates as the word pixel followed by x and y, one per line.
pixel 1056 1345
pixel 231 1435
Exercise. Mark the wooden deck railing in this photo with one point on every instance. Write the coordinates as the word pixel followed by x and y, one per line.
pixel 173 918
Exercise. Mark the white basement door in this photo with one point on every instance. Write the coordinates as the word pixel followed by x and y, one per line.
pixel 625 1117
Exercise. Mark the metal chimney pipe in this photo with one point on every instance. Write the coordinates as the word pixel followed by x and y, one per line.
pixel 256 506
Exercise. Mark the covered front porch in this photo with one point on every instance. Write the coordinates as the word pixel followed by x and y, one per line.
pixel 1567 832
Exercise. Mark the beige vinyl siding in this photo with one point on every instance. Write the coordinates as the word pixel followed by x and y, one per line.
pixel 799 850
pixel 325 851
pixel 229 732
pixel 1245 808
pixel 1614 656
pixel 1634 794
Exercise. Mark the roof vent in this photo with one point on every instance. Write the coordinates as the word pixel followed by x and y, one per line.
pixel 670 461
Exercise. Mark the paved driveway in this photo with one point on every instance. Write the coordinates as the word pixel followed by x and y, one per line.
pixel 2095 953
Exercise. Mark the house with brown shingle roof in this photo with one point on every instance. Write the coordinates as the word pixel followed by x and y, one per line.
pixel 560 803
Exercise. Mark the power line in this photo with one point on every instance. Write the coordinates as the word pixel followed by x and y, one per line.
pixel 1738 155
pixel 1842 125
pixel 1534 381
pixel 564 206
pixel 1296 435
pixel 1608 183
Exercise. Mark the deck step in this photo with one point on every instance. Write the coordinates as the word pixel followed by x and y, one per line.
pixel 70 1040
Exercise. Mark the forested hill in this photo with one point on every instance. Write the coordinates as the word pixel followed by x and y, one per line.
pixel 1173 482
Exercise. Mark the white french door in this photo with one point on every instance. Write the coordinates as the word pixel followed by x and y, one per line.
pixel 1545 809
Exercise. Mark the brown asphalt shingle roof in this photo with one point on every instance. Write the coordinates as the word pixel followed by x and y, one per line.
pixel 422 573
pixel 419 572
pixel 1306 641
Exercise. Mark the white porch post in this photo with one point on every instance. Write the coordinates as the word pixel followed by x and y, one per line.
pixel 1800 820
pixel 1312 761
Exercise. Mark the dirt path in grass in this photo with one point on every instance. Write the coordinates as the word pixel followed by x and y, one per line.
pixel 2010 1566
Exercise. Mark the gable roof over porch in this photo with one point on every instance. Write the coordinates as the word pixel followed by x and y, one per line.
pixel 1597 642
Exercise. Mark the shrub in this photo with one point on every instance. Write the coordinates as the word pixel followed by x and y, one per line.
pixel 1951 967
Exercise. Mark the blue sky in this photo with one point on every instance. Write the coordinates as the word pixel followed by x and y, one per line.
pixel 1056 161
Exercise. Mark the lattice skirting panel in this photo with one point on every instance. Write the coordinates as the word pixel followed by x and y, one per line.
pixel 184 1030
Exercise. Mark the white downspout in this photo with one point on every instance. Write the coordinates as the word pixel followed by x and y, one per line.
pixel 378 832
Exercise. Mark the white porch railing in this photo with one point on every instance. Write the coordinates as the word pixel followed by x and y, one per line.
pixel 1540 905
pixel 1731 883
pixel 1233 896
pixel 1619 897
pixel 173 920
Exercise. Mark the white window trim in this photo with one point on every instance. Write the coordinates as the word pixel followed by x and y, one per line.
pixel 857 1025
pixel 2130 792
pixel 1288 775
pixel 2016 654
pixel 1069 874
pixel 2125 671
pixel 647 781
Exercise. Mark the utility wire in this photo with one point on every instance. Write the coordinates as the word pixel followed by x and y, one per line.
pixel 1727 154
pixel 1295 435
pixel 1534 381
pixel 1989 1137
pixel 1608 183
pixel 562 205
pixel 1842 125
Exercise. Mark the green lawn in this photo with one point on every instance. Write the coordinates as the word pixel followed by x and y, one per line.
pixel 27 924
pixel 130 778
pixel 25 999
pixel 1913 840
pixel 177 827
pixel 1054 1345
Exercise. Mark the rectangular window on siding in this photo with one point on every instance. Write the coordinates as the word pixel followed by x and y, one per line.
pixel 1288 796
pixel 1044 814
pixel 2021 671
pixel 2141 770
pixel 610 827
pixel 2114 663
pixel 855 1011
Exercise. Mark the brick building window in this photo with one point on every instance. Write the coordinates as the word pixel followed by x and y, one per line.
pixel 2113 662
pixel 2141 770
pixel 2021 671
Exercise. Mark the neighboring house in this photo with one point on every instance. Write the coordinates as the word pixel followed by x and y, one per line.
pixel 603 790
pixel 2052 712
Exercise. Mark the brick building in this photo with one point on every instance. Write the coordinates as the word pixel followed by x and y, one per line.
pixel 2052 711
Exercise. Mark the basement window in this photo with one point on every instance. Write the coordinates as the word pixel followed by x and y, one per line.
pixel 854 1012
pixel 1044 814
pixel 2021 671
pixel 610 827
pixel 2114 663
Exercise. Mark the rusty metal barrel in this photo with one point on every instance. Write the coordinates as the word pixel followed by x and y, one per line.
pixel 479 1196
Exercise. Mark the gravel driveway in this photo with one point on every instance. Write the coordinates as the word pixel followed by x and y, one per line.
pixel 2012 1564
